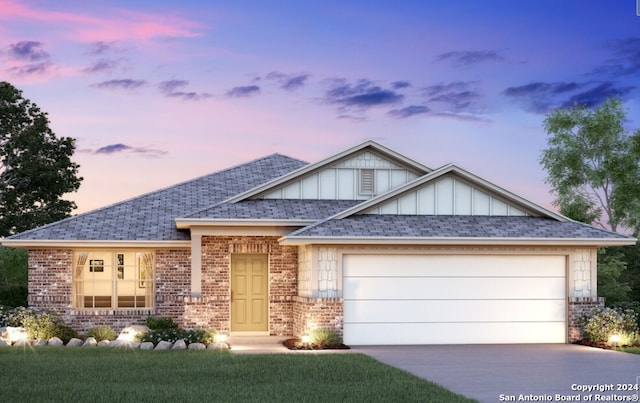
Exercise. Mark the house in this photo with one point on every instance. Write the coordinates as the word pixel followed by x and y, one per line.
pixel 367 241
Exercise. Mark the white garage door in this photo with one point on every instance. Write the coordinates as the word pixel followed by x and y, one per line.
pixel 454 299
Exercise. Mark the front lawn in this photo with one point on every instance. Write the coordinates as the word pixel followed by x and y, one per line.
pixel 109 375
pixel 632 350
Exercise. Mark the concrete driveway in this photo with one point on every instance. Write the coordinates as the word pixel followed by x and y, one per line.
pixel 524 372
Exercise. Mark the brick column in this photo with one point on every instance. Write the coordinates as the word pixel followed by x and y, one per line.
pixel 577 308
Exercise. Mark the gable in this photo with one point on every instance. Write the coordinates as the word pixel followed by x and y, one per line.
pixel 450 194
pixel 361 176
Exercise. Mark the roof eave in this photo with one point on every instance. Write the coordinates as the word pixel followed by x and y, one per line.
pixel 186 223
pixel 301 240
pixel 74 243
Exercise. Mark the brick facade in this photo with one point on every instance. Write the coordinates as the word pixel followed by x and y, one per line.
pixel 578 307
pixel 290 314
pixel 314 313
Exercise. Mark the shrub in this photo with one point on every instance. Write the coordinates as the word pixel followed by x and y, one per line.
pixel 172 335
pixel 161 323
pixel 64 332
pixel 102 332
pixel 325 337
pixel 601 323
pixel 38 324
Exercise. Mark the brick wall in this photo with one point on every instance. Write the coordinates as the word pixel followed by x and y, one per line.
pixel 50 284
pixel 214 306
pixel 314 313
pixel 577 308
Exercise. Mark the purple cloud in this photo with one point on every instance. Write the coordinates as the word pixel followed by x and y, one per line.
pixel 101 66
pixel 28 51
pixel 289 82
pixel 30 69
pixel 171 88
pixel 123 148
pixel 457 94
pixel 363 94
pixel 469 57
pixel 409 111
pixel 243 91
pixel 542 97
pixel 124 84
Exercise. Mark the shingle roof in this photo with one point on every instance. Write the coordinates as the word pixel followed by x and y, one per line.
pixel 152 215
pixel 277 209
pixel 414 226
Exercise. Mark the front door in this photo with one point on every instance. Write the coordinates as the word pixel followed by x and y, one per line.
pixel 249 293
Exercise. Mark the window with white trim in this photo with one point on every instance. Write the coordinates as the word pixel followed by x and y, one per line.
pixel 113 279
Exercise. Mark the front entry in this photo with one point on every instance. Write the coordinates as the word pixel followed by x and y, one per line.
pixel 249 293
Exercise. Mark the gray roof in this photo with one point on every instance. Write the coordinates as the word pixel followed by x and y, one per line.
pixel 151 217
pixel 425 226
pixel 277 209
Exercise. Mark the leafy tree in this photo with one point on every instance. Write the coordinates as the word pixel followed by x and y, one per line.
pixel 612 270
pixel 13 277
pixel 35 166
pixel 592 163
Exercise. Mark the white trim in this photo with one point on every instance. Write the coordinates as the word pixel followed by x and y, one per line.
pixel 184 223
pixel 457 241
pixel 416 166
pixel 451 168
pixel 63 243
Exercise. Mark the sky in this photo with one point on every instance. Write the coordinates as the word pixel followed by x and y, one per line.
pixel 159 92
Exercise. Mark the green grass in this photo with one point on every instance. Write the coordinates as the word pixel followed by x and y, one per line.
pixel 632 350
pixel 112 375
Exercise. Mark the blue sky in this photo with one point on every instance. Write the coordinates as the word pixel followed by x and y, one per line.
pixel 157 92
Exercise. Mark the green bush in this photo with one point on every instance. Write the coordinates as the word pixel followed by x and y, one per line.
pixel 601 323
pixel 102 332
pixel 172 335
pixel 161 323
pixel 39 324
pixel 325 336
pixel 64 332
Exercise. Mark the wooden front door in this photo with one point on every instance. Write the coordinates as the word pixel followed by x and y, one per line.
pixel 249 293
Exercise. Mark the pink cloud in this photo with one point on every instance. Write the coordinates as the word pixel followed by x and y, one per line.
pixel 99 25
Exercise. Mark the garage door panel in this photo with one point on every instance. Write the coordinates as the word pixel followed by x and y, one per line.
pixel 403 311
pixel 453 288
pixel 450 299
pixel 454 333
pixel 453 266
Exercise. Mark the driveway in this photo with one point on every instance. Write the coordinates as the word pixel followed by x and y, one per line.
pixel 524 372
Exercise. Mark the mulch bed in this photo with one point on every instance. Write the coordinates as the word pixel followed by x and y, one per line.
pixel 296 344
pixel 599 344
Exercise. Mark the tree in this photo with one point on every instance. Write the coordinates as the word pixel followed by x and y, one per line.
pixel 35 166
pixel 13 277
pixel 593 164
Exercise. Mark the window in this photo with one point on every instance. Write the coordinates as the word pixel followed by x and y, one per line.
pixel 367 181
pixel 105 279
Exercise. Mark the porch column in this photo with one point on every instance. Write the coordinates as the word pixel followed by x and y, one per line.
pixel 196 265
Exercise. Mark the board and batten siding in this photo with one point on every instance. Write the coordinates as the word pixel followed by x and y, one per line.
pixel 341 181
pixel 447 196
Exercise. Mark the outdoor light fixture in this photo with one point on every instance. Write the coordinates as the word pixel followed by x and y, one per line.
pixel 614 339
pixel 221 338
pixel 306 339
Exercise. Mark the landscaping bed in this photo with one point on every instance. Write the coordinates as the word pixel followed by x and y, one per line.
pixel 297 344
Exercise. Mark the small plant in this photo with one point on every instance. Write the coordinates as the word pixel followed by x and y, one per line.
pixel 161 323
pixel 174 334
pixel 601 323
pixel 102 332
pixel 38 324
pixel 325 337
pixel 64 332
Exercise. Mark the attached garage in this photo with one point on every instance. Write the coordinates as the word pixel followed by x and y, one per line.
pixel 454 299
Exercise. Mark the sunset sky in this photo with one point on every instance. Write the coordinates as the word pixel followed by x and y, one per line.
pixel 158 92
